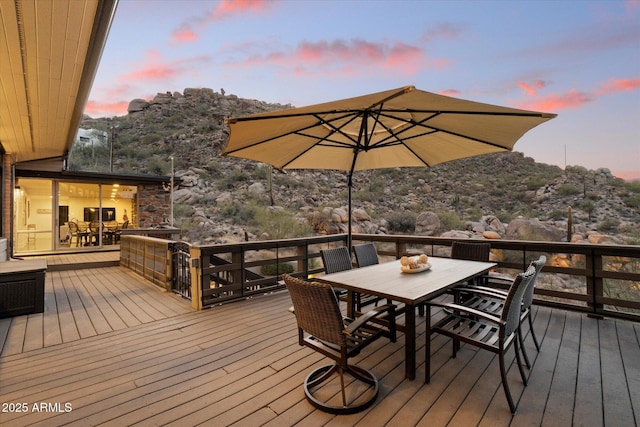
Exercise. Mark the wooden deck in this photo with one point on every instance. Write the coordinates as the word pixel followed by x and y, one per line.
pixel 127 353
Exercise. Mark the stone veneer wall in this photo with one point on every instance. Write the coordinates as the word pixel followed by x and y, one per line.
pixel 154 204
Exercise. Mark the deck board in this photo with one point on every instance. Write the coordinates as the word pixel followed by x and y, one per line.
pixel 145 358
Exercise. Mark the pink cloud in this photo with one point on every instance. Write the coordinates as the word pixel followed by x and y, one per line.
pixel 531 89
pixel 228 8
pixel 155 68
pixel 628 175
pixel 188 31
pixel 450 92
pixel 95 108
pixel 343 56
pixel 555 102
pixel 613 85
pixel 572 98
pixel 184 34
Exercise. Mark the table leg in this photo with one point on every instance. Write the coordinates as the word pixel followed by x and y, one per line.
pixel 410 342
pixel 351 302
pixel 427 346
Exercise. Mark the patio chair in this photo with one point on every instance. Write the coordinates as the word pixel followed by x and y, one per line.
pixel 339 259
pixel 472 251
pixel 322 328
pixel 366 254
pixel 336 259
pixel 489 332
pixel 491 301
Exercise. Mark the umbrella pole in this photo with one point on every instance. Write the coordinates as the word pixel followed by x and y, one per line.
pixel 349 185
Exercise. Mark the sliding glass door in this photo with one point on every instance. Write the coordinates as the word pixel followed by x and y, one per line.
pixel 51 215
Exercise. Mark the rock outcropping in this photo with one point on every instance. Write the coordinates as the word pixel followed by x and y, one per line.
pixel 504 195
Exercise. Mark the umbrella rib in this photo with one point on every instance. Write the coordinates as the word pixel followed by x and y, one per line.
pixel 395 138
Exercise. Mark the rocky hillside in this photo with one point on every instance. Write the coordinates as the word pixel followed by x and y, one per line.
pixel 225 199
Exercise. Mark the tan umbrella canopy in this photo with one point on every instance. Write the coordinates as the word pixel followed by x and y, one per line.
pixel 404 127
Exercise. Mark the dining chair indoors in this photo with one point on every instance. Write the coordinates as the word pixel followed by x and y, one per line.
pixel 322 328
pixel 489 332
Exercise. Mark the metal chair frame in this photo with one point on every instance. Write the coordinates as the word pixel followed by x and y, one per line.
pixel 322 328
pixel 492 333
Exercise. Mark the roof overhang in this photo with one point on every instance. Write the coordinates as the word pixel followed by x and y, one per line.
pixel 49 55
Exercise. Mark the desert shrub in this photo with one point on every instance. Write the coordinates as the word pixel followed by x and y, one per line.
pixel 239 213
pixel 609 225
pixel 450 221
pixel 232 179
pixel 402 222
pixel 569 189
pixel 279 224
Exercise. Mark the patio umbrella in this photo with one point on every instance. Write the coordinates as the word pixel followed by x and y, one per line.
pixel 404 127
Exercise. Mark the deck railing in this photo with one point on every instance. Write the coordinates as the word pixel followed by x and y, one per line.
pixel 603 280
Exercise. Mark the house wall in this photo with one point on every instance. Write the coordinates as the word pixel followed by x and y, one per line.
pixel 154 204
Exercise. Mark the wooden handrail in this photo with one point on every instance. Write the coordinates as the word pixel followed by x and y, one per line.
pixel 610 274
pixel 591 261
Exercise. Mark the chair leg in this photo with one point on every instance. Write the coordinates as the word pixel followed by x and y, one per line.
pixel 524 350
pixel 320 375
pixel 505 385
pixel 344 393
pixel 518 360
pixel 533 332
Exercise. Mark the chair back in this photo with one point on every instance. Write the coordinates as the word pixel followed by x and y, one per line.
pixel 317 310
pixel 471 251
pixel 527 299
pixel 73 227
pixel 336 259
pixel 366 254
pixel 513 303
pixel 95 226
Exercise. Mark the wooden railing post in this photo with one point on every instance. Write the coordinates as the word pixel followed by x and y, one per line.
pixel 196 277
pixel 303 263
pixel 595 285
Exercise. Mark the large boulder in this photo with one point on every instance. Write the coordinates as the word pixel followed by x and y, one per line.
pixel 137 105
pixel 533 229
pixel 427 224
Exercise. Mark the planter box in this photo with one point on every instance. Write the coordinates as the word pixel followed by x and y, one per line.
pixel 22 287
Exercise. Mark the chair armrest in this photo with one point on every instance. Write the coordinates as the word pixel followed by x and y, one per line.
pixel 472 311
pixel 492 278
pixel 376 312
pixel 482 290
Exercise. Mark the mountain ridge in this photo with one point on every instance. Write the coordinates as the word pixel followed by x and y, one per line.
pixel 221 197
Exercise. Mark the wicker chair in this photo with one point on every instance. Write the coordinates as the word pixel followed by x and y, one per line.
pixel 489 332
pixel 322 328
pixel 472 251
pixel 339 259
pixel 336 259
pixel 366 254
pixel 491 301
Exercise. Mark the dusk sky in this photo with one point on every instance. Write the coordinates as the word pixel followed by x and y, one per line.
pixel 578 59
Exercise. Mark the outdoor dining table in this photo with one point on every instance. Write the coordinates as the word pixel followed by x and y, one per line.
pixel 387 281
